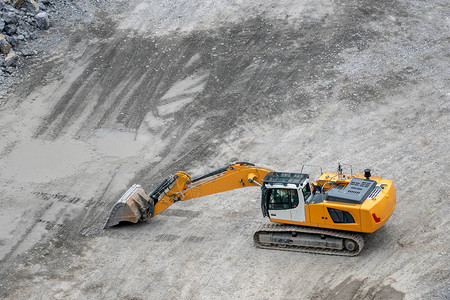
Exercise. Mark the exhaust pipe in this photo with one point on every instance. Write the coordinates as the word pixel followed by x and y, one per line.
pixel 135 205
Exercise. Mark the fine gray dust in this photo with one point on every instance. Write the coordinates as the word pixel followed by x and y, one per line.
pixel 143 89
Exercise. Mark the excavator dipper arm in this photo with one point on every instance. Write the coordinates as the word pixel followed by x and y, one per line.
pixel 135 205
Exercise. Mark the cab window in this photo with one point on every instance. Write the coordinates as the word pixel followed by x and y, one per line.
pixel 306 192
pixel 283 199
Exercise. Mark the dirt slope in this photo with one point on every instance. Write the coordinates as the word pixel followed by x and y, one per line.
pixel 146 88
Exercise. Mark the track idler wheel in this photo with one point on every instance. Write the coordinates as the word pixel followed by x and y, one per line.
pixel 350 245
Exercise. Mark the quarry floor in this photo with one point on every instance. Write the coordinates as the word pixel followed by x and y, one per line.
pixel 142 89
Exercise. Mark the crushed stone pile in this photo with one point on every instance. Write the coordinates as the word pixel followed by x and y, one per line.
pixel 20 21
pixel 28 28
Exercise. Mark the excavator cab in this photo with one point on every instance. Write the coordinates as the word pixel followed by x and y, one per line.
pixel 284 196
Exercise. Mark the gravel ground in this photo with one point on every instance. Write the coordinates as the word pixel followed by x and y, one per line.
pixel 130 91
pixel 37 28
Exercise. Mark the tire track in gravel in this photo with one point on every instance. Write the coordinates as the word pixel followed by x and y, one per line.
pixel 258 66
pixel 5 262
pixel 255 70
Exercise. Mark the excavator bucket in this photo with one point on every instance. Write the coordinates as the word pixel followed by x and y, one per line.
pixel 133 206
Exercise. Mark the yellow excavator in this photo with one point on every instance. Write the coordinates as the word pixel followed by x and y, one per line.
pixel 327 216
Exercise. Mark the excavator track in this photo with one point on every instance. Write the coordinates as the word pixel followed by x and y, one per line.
pixel 308 239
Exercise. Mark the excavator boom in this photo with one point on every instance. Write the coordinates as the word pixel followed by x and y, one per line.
pixel 135 205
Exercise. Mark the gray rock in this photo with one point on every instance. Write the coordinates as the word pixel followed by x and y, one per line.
pixel 17 39
pixel 28 6
pixel 11 59
pixel 10 29
pixel 24 32
pixel 29 52
pixel 2 25
pixel 42 20
pixel 13 40
pixel 5 46
pixel 11 18
pixel 10 8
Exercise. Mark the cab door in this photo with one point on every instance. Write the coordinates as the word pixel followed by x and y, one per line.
pixel 284 204
pixel 297 207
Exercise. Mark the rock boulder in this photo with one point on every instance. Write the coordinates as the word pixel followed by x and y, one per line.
pixel 4 45
pixel 29 6
pixel 11 59
pixel 42 20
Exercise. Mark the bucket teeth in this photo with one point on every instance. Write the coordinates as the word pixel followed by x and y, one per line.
pixel 133 206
